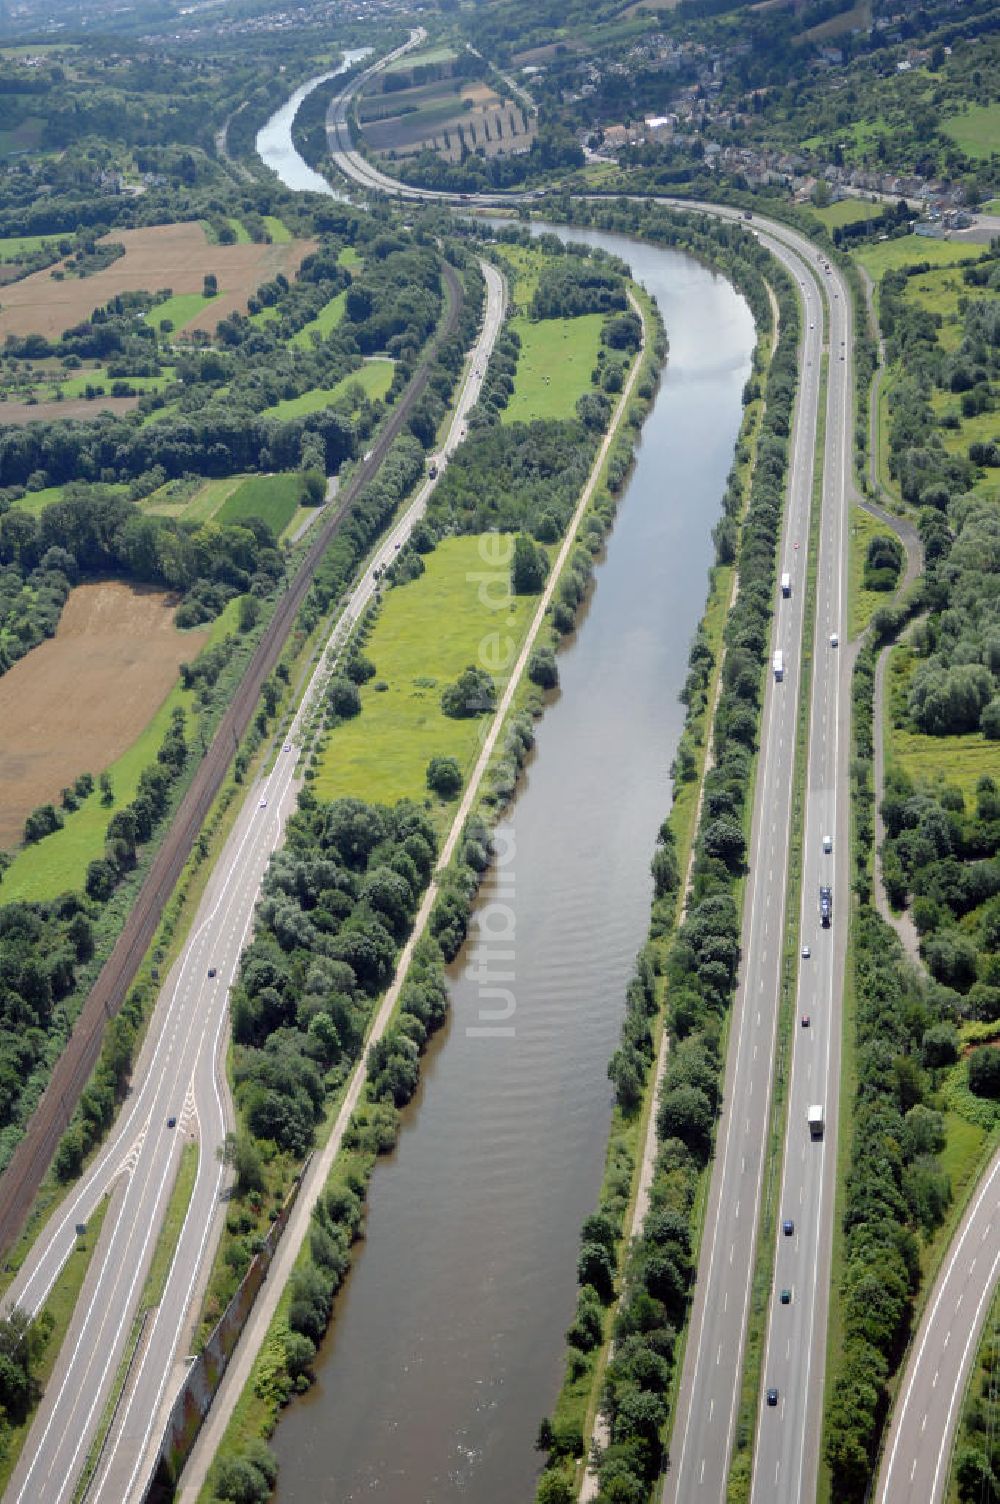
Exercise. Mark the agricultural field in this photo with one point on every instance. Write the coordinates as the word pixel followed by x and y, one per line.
pixel 274 498
pixel 427 632
pixel 16 414
pixel 13 247
pixel 374 378
pixel 449 114
pixel 177 256
pixel 76 702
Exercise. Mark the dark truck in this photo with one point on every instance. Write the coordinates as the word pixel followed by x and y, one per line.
pixel 825 906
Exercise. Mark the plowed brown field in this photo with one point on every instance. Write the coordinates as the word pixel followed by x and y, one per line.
pixel 174 256
pixel 19 413
pixel 75 702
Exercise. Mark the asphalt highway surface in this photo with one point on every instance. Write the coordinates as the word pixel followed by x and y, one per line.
pixel 179 1076
pixel 922 1432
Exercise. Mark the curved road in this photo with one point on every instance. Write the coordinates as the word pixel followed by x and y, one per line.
pixel 178 1076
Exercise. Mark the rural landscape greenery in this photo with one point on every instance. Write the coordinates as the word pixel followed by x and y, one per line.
pixel 196 363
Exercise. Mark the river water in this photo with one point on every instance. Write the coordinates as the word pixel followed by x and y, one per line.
pixel 447 1344
pixel 274 140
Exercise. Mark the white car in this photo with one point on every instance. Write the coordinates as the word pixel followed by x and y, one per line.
pixel 288 746
pixel 834 640
pixel 805 952
pixel 828 843
pixel 263 804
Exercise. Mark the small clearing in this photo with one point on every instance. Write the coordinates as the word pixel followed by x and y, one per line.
pixel 75 702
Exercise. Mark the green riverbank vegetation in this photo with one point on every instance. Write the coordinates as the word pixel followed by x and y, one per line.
pixel 684 979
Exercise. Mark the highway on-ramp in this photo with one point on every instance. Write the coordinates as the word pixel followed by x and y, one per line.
pixel 179 1076
pixel 929 1398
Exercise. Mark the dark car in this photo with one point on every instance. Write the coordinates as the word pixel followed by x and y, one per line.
pixel 788 1227
pixel 805 1020
pixel 786 1297
pixel 772 1396
pixel 211 971
pixel 171 1122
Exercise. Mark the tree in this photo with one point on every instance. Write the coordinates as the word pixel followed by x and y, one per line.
pixel 444 776
pixel 686 1113
pixel 343 698
pixel 529 567
pixel 542 669
pixel 41 823
pixel 984 1072
pixel 240 1151
pixel 210 285
pixel 472 693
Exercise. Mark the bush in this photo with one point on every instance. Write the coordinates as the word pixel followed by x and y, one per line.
pixel 473 693
pixel 444 776
pixel 542 669
pixel 984 1072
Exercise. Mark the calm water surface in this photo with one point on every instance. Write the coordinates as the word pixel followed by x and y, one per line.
pixel 274 140
pixel 447 1345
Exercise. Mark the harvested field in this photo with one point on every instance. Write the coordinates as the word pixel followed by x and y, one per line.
pixel 77 701
pixel 175 256
pixel 18 413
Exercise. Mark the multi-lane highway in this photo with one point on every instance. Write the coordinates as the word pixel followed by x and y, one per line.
pixel 710 1386
pixel 922 1432
pixel 786 1455
pixel 179 1091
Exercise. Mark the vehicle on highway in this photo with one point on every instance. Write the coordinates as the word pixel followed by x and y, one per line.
pixel 825 905
pixel 806 952
pixel 211 971
pixel 432 470
pixel 171 1122
pixel 805 1020
pixel 263 804
pixel 779 666
pixel 786 1297
pixel 288 746
pixel 828 844
pixel 816 1120
pixel 786 584
pixel 772 1396
pixel 834 640
pixel 788 1227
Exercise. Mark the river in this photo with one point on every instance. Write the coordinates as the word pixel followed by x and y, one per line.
pixel 448 1340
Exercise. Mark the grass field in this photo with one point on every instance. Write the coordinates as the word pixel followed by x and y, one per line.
pixel 374 378
pixel 76 385
pixel 277 229
pixel 37 501
pixel 976 130
pixel 848 211
pixel 59 862
pixel 275 498
pixel 909 250
pixel 209 497
pixel 956 760
pixel 939 292
pixel 240 230
pixel 180 309
pixel 328 318
pixel 266 316
pixel 862 603
pixel 567 347
pixel 13 247
pixel 419 59
pixel 428 631
pixel 349 258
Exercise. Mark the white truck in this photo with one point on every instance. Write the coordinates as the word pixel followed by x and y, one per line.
pixel 786 584
pixel 816 1122
pixel 779 665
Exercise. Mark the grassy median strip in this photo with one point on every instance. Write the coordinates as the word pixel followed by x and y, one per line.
pixel 49 1329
